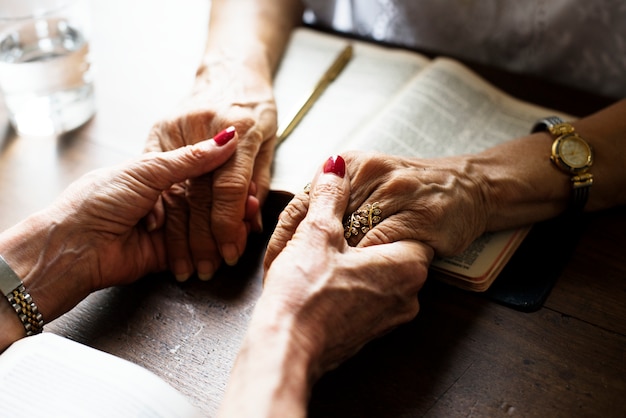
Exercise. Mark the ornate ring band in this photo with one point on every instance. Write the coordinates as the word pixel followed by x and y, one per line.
pixel 362 220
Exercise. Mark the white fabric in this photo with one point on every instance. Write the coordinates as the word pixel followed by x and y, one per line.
pixel 580 43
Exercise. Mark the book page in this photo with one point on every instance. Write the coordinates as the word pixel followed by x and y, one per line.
pixel 446 110
pixel 374 75
pixel 48 375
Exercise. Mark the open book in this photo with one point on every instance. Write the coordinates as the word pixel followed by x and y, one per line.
pixel 401 103
pixel 50 376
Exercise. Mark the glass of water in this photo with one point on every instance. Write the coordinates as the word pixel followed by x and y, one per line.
pixel 45 68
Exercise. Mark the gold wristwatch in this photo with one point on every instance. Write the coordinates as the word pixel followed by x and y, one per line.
pixel 572 155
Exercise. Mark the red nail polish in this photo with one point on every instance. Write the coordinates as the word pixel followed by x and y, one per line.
pixel 335 165
pixel 224 136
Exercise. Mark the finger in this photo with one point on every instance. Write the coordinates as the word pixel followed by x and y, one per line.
pixel 377 207
pixel 397 227
pixel 409 261
pixel 253 214
pixel 145 178
pixel 176 232
pixel 203 255
pixel 398 270
pixel 204 251
pixel 253 209
pixel 230 194
pixel 160 170
pixel 172 168
pixel 329 196
pixel 288 221
pixel 317 217
pixel 261 175
pixel 360 223
pixel 156 218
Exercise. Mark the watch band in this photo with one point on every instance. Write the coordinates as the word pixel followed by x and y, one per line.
pixel 581 180
pixel 546 123
pixel 20 300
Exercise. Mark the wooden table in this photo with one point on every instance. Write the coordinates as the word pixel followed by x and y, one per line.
pixel 464 355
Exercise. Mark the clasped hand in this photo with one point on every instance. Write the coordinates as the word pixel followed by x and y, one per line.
pixel 208 219
pixel 100 232
pixel 339 297
pixel 440 202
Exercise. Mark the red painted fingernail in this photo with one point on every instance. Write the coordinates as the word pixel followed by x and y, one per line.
pixel 335 165
pixel 224 136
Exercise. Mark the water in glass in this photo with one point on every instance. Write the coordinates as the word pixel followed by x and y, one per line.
pixel 45 76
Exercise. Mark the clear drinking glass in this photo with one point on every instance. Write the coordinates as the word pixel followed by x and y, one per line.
pixel 45 66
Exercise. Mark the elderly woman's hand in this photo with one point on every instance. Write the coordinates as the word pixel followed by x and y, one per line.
pixel 208 219
pixel 99 232
pixel 341 297
pixel 440 202
pixel 322 301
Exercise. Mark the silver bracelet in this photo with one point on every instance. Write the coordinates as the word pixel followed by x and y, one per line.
pixel 13 289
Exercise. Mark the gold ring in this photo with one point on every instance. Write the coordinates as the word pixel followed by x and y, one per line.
pixel 362 220
pixel 307 188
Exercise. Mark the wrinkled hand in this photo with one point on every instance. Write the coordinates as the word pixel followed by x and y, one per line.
pixel 439 202
pixel 208 219
pixel 98 232
pixel 339 297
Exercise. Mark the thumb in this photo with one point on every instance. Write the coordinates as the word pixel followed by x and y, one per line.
pixel 321 227
pixel 330 191
pixel 161 170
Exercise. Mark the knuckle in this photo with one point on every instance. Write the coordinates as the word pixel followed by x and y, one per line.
pixel 174 197
pixel 294 211
pixel 231 185
pixel 167 135
pixel 326 190
pixel 379 235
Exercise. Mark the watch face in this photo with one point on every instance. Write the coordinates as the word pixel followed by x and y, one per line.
pixel 574 152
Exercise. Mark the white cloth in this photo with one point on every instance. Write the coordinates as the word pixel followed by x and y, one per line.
pixel 579 43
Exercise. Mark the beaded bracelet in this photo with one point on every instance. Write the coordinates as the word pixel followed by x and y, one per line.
pixel 13 289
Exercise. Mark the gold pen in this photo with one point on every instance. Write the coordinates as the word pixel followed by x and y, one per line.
pixel 329 76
